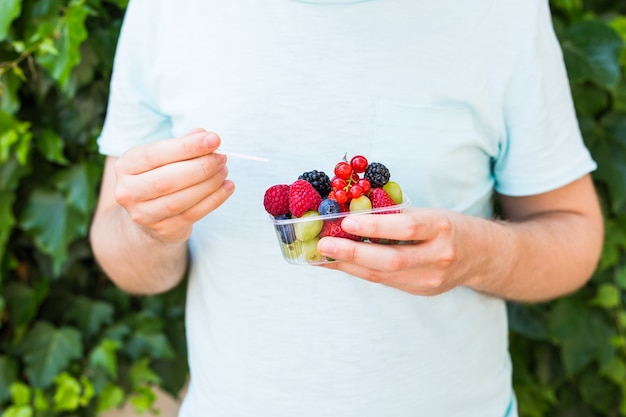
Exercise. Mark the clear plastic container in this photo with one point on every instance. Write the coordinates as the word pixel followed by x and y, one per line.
pixel 298 237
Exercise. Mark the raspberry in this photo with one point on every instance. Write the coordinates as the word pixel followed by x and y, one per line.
pixel 380 198
pixel 302 198
pixel 333 228
pixel 319 180
pixel 276 200
pixel 377 174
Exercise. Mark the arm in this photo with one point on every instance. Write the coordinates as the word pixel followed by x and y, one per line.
pixel 548 246
pixel 149 200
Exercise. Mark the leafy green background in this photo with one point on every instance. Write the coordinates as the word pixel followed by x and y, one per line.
pixel 71 344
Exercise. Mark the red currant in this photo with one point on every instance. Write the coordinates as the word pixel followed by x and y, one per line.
pixel 365 184
pixel 343 170
pixel 358 163
pixel 341 196
pixel 338 183
pixel 356 191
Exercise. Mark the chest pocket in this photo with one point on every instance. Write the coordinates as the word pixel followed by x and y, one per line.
pixel 436 154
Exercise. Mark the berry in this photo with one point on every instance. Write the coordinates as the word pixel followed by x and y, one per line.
pixel 309 250
pixel 333 228
pixel 343 170
pixel 302 198
pixel 377 174
pixel 286 232
pixel 394 191
pixel 292 251
pixel 341 196
pixel 338 183
pixel 360 204
pixel 328 206
pixel 380 198
pixel 358 163
pixel 364 183
pixel 276 200
pixel 319 180
pixel 355 191
pixel 307 230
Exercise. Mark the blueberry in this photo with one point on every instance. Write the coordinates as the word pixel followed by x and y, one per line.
pixel 286 231
pixel 329 206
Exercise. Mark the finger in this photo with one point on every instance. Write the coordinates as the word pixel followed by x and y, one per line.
pixel 153 155
pixel 171 178
pixel 369 255
pixel 172 225
pixel 154 210
pixel 411 225
pixel 411 283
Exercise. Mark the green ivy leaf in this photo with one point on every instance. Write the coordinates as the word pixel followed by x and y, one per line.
pixel 610 154
pixel 40 402
pixel 105 356
pixel 614 242
pixel 143 399
pixel 67 394
pixel 15 137
pixel 142 374
pixel 571 7
pixel 121 4
pixel 9 86
pixel 589 99
pixel 48 350
pixel 620 277
pixel 154 345
pixel 76 184
pixel 110 397
pixel 9 11
pixel 618 23
pixel 583 337
pixel 89 315
pixel 527 320
pixel 607 296
pixel 70 37
pixel 11 173
pixel 598 392
pixel 52 223
pixel 18 411
pixel 7 219
pixel 50 145
pixel 8 375
pixel 591 51
pixel 23 301
pixel 20 393
pixel 615 370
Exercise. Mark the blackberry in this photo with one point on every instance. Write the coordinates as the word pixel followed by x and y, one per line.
pixel 319 180
pixel 377 174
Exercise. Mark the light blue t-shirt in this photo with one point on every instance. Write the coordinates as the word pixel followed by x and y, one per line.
pixel 457 99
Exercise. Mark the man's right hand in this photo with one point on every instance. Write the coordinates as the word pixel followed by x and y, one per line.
pixel 167 186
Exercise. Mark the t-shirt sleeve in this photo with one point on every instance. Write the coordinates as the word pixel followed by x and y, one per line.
pixel 543 149
pixel 133 116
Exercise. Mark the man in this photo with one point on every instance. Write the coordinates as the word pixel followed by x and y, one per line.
pixel 460 100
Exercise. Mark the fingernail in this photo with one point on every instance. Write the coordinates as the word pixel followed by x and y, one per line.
pixel 211 140
pixel 229 186
pixel 350 225
pixel 221 158
pixel 326 247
